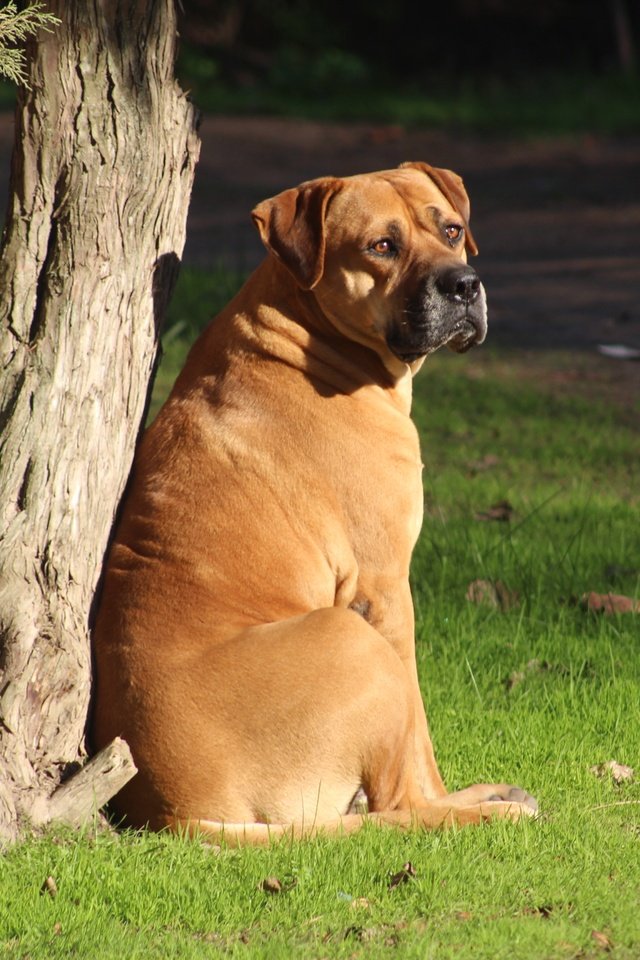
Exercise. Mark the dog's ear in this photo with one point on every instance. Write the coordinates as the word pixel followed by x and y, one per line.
pixel 292 226
pixel 451 185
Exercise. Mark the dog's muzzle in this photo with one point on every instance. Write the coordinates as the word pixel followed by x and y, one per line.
pixel 450 308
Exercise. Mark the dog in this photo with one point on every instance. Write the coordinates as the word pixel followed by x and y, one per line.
pixel 254 642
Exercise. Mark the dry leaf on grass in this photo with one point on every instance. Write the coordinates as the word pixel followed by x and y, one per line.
pixel 494 593
pixel 618 772
pixel 609 603
pixel 271 885
pixel 408 872
pixel 50 886
pixel 602 940
pixel 502 511
pixel 360 903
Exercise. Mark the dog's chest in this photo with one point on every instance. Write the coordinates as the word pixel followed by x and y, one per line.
pixel 376 471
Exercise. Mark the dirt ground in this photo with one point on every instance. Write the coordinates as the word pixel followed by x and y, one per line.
pixel 557 223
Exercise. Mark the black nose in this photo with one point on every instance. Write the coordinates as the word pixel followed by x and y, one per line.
pixel 460 283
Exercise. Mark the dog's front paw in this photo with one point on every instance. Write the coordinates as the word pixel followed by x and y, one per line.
pixel 514 795
pixel 495 793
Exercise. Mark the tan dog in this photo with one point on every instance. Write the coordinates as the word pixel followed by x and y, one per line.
pixel 255 639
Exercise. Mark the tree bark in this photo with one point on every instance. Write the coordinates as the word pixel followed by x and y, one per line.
pixel 102 169
pixel 623 33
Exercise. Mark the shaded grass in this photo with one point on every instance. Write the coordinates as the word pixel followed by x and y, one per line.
pixel 536 694
pixel 549 102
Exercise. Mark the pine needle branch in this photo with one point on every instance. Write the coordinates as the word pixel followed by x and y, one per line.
pixel 16 27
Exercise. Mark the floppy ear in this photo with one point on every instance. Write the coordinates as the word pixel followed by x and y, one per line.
pixel 292 226
pixel 451 185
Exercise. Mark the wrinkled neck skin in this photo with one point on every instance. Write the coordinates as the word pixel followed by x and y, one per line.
pixel 294 326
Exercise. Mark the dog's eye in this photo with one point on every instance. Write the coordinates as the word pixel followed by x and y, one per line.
pixel 453 231
pixel 384 247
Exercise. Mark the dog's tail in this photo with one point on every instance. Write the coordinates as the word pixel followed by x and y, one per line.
pixel 431 816
pixel 262 834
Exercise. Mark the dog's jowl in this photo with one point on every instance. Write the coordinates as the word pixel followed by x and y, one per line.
pixel 254 643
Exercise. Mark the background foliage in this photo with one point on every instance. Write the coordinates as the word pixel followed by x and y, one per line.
pixel 467 62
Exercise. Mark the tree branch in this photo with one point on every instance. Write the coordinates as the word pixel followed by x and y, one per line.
pixel 78 799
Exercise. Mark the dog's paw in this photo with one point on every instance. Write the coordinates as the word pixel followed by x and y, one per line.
pixel 495 793
pixel 514 795
pixel 506 809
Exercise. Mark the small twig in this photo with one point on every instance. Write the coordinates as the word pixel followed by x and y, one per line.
pixel 616 803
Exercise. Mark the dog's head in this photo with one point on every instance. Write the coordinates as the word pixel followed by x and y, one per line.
pixel 385 255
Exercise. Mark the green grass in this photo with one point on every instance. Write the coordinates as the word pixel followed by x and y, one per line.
pixel 536 694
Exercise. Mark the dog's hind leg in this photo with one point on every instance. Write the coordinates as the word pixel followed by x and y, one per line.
pixel 318 707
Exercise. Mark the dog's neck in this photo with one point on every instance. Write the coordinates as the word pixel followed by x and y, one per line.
pixel 292 325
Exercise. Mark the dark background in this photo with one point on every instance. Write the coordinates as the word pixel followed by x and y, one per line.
pixel 380 43
pixel 536 105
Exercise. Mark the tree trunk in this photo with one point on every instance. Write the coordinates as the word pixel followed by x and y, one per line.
pixel 102 170
pixel 623 33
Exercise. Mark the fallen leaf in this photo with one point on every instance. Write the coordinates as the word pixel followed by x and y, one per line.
pixel 494 593
pixel 271 885
pixel 463 915
pixel 602 940
pixel 50 886
pixel 360 903
pixel 57 929
pixel 502 511
pixel 618 772
pixel 609 603
pixel 408 872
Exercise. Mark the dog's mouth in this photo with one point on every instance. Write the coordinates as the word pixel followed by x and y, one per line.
pixel 464 335
pixel 432 321
pixel 419 340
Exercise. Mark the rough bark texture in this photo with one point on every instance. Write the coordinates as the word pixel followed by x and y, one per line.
pixel 78 799
pixel 102 170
